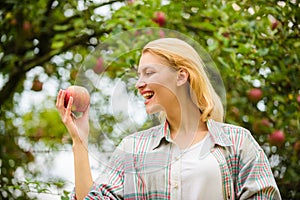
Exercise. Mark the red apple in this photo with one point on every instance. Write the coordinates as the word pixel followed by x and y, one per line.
pixel 277 138
pixel 37 85
pixel 255 94
pixel 81 98
pixel 99 67
pixel 298 98
pixel 27 26
pixel 274 24
pixel 266 122
pixel 130 2
pixel 159 18
pixel 262 126
pixel 297 146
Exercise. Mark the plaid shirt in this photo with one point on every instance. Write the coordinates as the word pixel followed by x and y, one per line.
pixel 141 166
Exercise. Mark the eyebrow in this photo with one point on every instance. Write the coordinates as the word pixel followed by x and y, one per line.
pixel 145 67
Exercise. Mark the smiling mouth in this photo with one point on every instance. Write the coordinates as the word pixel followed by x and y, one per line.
pixel 148 95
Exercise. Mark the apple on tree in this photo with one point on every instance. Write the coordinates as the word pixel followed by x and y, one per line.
pixel 298 98
pixel 130 2
pixel 297 146
pixel 27 28
pixel 99 66
pixel 262 126
pixel 159 18
pixel 81 98
pixel 37 85
pixel 255 94
pixel 276 138
pixel 275 24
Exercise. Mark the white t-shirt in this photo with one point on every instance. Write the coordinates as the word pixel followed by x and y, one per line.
pixel 199 174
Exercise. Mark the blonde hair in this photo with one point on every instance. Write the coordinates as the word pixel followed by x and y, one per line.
pixel 180 55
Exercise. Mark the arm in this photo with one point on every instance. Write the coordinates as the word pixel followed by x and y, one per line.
pixel 83 176
pixel 255 179
pixel 79 130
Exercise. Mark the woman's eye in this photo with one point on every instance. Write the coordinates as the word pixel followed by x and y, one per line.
pixel 149 73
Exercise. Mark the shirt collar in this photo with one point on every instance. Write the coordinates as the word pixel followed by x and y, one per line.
pixel 163 136
pixel 217 133
pixel 214 128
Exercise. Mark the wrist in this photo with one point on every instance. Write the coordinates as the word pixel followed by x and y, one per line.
pixel 79 144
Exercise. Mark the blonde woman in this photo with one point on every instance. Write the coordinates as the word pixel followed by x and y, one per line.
pixel 191 155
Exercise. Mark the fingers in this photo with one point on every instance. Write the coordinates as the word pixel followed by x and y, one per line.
pixel 57 98
pixel 68 118
pixel 60 99
pixel 68 111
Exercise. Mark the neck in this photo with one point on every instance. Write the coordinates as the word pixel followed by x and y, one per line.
pixel 186 128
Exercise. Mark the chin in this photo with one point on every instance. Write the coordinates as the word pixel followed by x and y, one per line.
pixel 153 109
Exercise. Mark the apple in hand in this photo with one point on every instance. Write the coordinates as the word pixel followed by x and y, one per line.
pixel 81 98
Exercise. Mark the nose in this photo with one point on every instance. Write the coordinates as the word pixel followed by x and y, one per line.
pixel 140 84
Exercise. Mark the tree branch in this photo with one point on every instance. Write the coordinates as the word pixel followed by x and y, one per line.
pixel 18 76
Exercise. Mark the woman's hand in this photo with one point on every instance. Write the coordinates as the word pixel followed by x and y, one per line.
pixel 78 128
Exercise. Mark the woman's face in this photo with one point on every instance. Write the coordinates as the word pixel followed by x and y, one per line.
pixel 156 83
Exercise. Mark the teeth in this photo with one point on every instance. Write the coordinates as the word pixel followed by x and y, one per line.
pixel 148 95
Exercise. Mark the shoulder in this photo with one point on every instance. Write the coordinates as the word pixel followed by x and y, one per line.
pixel 231 128
pixel 234 131
pixel 154 131
pixel 240 135
pixel 144 138
pixel 240 138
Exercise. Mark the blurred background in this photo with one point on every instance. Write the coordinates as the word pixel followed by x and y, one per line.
pixel 44 44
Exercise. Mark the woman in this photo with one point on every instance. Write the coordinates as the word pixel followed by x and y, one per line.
pixel 192 155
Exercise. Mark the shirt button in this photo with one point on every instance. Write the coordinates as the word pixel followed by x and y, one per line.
pixel 176 185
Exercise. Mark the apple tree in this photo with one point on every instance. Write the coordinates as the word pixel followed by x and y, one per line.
pixel 44 43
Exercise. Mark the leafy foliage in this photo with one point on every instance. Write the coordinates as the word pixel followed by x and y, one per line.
pixel 253 45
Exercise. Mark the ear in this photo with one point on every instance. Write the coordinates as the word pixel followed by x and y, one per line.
pixel 182 76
